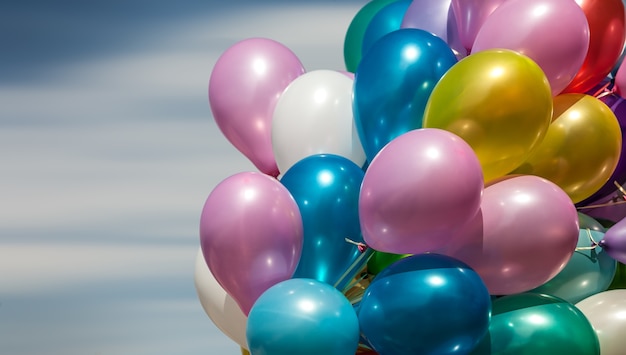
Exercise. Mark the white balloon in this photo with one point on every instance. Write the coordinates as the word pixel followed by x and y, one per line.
pixel 314 116
pixel 606 311
pixel 221 308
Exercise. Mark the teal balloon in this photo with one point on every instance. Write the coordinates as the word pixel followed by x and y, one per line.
pixel 326 188
pixel 302 316
pixel 533 324
pixel 425 304
pixel 393 83
pixel 588 272
pixel 387 20
pixel 588 222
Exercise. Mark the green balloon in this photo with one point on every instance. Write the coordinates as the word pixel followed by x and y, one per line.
pixel 587 222
pixel 619 280
pixel 535 324
pixel 380 260
pixel 353 42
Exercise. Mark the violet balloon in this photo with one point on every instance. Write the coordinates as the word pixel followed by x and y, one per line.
pixel 251 235
pixel 553 33
pixel 420 186
pixel 470 16
pixel 614 241
pixel 245 84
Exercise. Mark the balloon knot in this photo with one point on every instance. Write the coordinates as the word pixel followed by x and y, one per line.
pixel 361 246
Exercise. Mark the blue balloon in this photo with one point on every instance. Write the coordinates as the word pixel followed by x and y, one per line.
pixel 393 83
pixel 425 304
pixel 386 20
pixel 588 272
pixel 302 316
pixel 326 188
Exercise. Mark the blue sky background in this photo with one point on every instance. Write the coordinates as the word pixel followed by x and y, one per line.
pixel 108 152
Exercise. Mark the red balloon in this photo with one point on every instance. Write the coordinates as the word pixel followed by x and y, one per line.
pixel 607 34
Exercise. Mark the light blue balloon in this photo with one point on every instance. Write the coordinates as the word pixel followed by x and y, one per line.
pixel 326 188
pixel 304 317
pixel 393 83
pixel 588 272
pixel 386 20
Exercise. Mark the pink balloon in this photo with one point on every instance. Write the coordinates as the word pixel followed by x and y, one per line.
pixel 245 85
pixel 470 16
pixel 419 187
pixel 620 80
pixel 251 235
pixel 553 33
pixel 524 234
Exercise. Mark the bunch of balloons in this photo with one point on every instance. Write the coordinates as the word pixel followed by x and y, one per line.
pixel 435 197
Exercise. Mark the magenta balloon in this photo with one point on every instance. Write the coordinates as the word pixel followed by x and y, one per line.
pixel 470 16
pixel 419 187
pixel 251 235
pixel 614 241
pixel 524 234
pixel 245 85
pixel 620 80
pixel 553 33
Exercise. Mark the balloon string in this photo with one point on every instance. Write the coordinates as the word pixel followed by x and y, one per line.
pixel 361 246
pixel 594 244
pixel 603 91
pixel 366 254
pixel 614 201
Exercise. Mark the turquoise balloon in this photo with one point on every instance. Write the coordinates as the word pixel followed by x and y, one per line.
pixel 326 188
pixel 304 317
pixel 534 324
pixel 387 20
pixel 393 83
pixel 588 272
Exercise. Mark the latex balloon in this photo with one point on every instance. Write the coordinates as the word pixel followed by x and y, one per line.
pixel 470 17
pixel 221 308
pixel 605 311
pixel 614 241
pixel 353 41
pixel 244 352
pixel 523 236
pixel 588 222
pixel 380 260
pixel 499 102
pixel 606 30
pixel 581 149
pixel 393 83
pixel 436 17
pixel 538 324
pixel 588 272
pixel 386 20
pixel 251 235
pixel 553 33
pixel 412 197
pixel 245 84
pixel 314 116
pixel 302 316
pixel 326 188
pixel 619 281
pixel 425 304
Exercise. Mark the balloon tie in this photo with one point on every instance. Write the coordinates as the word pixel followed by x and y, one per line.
pixel 594 244
pixel 361 246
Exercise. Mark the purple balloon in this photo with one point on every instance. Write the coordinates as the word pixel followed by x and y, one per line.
pixel 614 241
pixel 417 189
pixel 251 235
pixel 245 85
pixel 470 16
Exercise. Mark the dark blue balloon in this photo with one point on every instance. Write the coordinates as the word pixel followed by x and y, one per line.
pixel 302 316
pixel 386 20
pixel 393 83
pixel 326 188
pixel 425 304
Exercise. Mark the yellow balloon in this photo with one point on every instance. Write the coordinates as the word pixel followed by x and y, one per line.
pixel 244 352
pixel 499 101
pixel 581 149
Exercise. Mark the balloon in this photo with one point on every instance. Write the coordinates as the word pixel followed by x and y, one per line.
pixel 619 280
pixel 221 308
pixel 470 16
pixel 245 84
pixel 606 41
pixel 523 236
pixel 353 41
pixel 499 102
pixel 553 33
pixel 614 241
pixel 314 116
pixel 251 235
pixel 587 222
pixel 620 80
pixel 386 20
pixel 588 272
pixel 302 316
pixel 393 82
pixel 326 188
pixel 538 324
pixel 618 107
pixel 412 195
pixel 605 311
pixel 380 260
pixel 436 17
pixel 581 149
pixel 425 304
pixel 244 352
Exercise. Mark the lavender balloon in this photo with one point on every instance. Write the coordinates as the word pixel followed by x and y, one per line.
pixel 251 235
pixel 470 16
pixel 614 241
pixel 436 17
